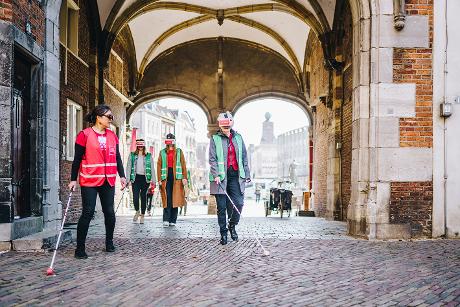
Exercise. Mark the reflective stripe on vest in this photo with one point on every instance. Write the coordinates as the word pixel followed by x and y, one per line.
pixel 148 167
pixel 164 165
pixel 220 156
pixel 98 165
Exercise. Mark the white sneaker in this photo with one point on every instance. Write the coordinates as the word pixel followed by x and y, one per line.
pixel 172 224
pixel 165 224
pixel 136 216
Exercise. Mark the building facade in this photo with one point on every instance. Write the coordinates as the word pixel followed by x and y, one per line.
pixel 373 76
pixel 293 156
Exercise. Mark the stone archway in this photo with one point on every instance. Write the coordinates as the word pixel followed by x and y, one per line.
pixel 216 79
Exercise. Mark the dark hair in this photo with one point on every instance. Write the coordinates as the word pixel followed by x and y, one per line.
pixel 98 110
pixel 170 136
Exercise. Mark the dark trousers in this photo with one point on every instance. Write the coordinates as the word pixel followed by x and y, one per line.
pixel 149 201
pixel 225 207
pixel 88 197
pixel 140 187
pixel 170 213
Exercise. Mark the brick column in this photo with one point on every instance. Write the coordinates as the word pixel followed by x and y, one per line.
pixel 396 102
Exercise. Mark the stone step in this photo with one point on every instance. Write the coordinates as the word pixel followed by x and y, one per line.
pixel 306 213
pixel 41 241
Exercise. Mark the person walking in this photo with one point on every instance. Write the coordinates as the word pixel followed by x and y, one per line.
pixel 150 193
pixel 141 173
pixel 172 173
pixel 96 162
pixel 229 172
pixel 257 193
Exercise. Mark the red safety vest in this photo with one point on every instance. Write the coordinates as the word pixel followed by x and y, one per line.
pixel 96 166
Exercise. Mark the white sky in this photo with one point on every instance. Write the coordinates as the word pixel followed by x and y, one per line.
pixel 248 119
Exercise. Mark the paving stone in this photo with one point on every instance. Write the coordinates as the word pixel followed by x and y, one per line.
pixel 311 262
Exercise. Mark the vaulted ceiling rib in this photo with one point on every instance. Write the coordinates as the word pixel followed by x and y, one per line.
pixel 156 25
pixel 228 29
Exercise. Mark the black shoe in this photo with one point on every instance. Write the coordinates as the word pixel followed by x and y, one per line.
pixel 109 247
pixel 233 233
pixel 80 254
pixel 223 239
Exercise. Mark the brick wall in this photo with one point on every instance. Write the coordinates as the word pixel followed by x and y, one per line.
pixel 347 111
pixel 412 202
pixel 111 73
pixel 414 65
pixel 116 103
pixel 6 12
pixel 25 10
pixel 319 82
pixel 76 89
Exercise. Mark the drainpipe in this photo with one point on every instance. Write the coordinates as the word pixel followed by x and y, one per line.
pixel 399 14
pixel 444 123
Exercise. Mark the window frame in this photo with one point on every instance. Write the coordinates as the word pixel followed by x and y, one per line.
pixel 69 22
pixel 77 126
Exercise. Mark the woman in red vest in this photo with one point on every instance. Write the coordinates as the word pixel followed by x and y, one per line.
pixel 96 162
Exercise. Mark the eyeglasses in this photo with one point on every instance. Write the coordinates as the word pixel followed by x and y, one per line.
pixel 110 116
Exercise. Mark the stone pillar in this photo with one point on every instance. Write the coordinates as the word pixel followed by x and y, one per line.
pixel 356 212
pixel 380 158
pixel 212 205
pixel 6 63
pixel 52 210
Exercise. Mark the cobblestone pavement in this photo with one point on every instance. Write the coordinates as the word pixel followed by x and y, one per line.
pixel 311 262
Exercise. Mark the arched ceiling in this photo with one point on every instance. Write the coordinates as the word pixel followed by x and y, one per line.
pixel 156 25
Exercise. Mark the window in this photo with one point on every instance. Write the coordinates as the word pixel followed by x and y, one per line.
pixel 74 125
pixel 68 25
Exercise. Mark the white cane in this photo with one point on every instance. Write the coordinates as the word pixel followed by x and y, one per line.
pixel 50 270
pixel 121 199
pixel 266 252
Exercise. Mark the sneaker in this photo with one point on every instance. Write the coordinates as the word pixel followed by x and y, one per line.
pixel 109 247
pixel 172 224
pixel 136 216
pixel 80 254
pixel 165 224
pixel 141 221
pixel 149 213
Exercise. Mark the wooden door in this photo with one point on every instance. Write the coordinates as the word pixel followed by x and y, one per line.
pixel 21 137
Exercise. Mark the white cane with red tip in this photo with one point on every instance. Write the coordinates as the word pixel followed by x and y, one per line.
pixel 266 252
pixel 50 270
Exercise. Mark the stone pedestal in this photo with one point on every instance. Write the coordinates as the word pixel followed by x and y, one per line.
pixel 212 205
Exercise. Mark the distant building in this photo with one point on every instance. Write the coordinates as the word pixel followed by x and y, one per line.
pixel 154 122
pixel 293 156
pixel 185 137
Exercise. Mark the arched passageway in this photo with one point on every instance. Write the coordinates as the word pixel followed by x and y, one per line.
pixel 221 54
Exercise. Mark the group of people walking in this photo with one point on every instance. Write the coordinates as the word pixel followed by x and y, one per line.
pixel 97 161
